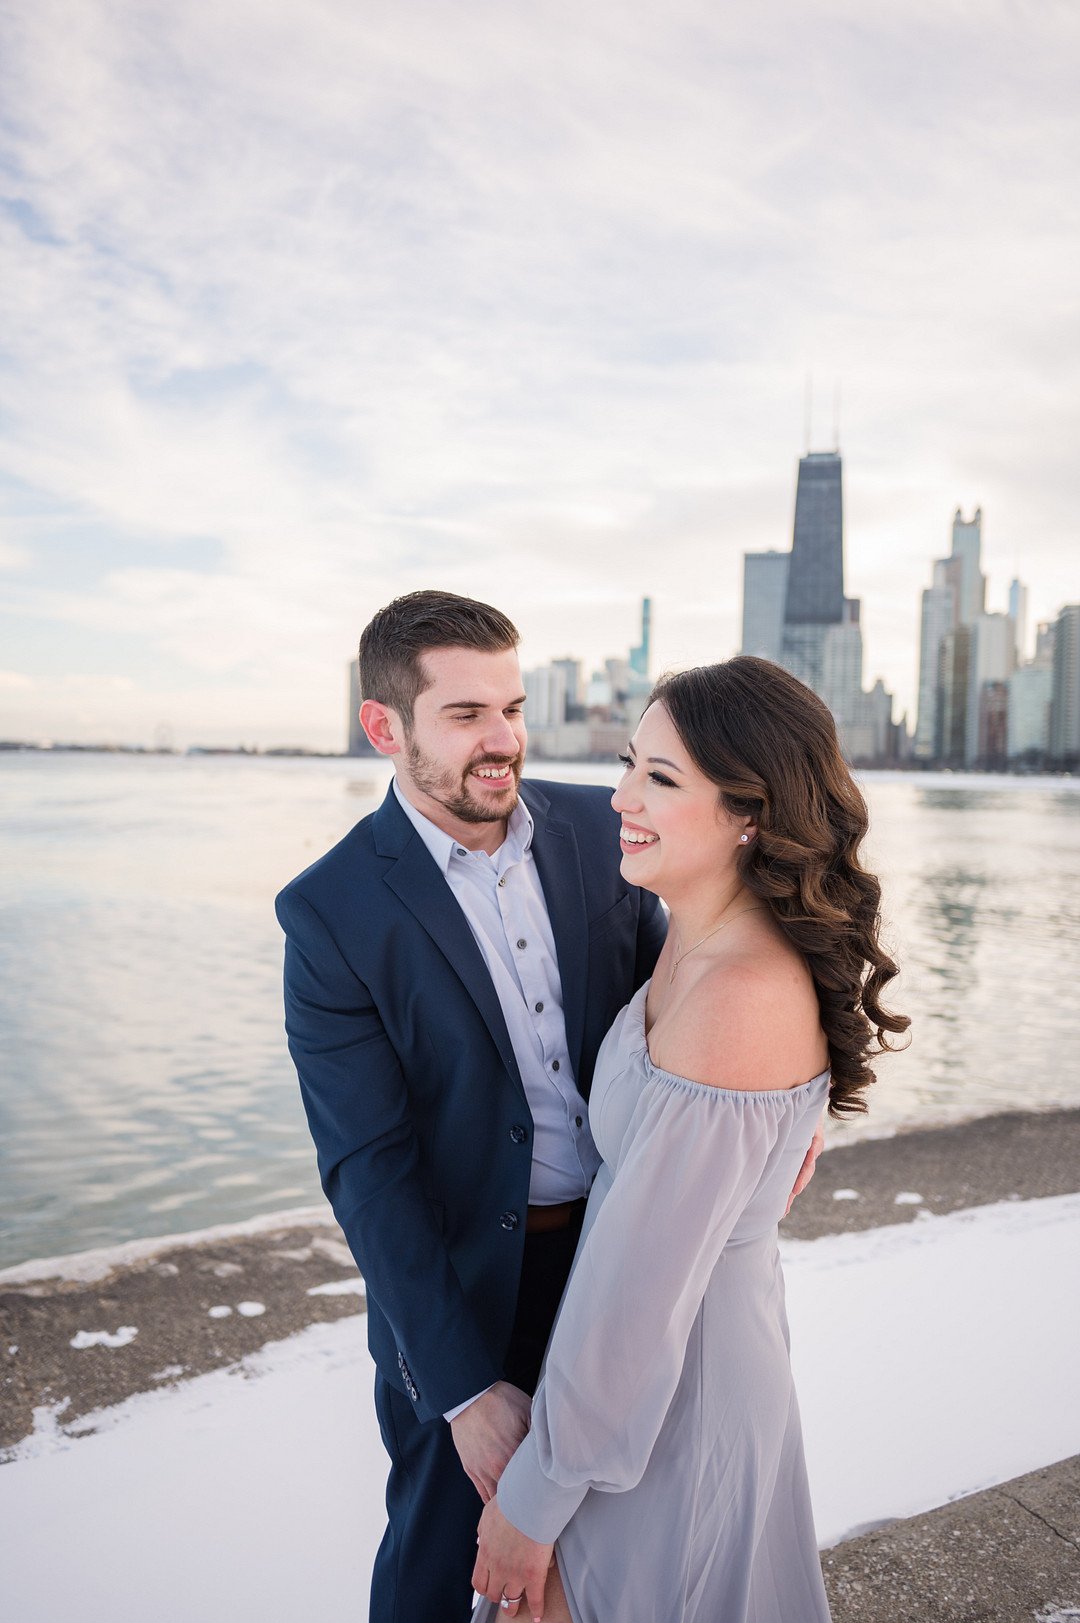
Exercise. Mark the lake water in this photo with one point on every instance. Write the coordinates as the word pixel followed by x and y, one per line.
pixel 146 1088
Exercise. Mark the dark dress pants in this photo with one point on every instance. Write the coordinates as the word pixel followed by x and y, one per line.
pixel 423 1568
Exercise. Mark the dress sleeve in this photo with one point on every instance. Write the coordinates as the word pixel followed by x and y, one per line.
pixel 692 1158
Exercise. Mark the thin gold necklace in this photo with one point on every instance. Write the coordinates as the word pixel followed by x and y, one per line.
pixel 758 908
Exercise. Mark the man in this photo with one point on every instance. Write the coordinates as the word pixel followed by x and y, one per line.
pixel 451 969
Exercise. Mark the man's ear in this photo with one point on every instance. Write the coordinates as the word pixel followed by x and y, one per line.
pixel 382 726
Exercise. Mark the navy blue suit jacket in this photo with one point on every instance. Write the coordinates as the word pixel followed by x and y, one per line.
pixel 412 1091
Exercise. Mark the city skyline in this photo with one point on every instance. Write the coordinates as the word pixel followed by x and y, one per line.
pixel 777 619
pixel 306 310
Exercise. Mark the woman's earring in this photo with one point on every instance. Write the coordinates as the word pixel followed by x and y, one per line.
pixel 744 839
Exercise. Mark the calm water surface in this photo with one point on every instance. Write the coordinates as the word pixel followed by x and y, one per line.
pixel 146 1088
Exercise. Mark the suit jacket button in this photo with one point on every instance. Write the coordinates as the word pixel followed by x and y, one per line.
pixel 509 1220
pixel 518 1135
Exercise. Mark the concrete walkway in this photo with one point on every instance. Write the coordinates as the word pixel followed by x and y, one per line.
pixel 1009 1555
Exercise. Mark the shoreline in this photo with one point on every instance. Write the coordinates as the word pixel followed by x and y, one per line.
pixel 82 1333
pixel 98 1261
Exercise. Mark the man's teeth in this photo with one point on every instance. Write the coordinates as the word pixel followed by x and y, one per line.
pixel 635 837
pixel 491 771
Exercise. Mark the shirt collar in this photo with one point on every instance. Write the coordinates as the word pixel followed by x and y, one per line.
pixel 519 833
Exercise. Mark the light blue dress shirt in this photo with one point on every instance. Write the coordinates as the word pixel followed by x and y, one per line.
pixel 503 902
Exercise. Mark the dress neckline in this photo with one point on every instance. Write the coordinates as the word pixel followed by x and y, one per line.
pixel 800 1088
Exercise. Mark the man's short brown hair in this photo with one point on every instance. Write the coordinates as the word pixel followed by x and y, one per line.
pixel 393 641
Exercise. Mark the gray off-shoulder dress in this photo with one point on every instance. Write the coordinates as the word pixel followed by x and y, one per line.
pixel 665 1457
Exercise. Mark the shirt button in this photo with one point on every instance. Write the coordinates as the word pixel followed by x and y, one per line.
pixel 577 1121
pixel 461 851
pixel 502 881
pixel 518 1135
pixel 522 941
pixel 539 1008
pixel 554 1065
pixel 509 1220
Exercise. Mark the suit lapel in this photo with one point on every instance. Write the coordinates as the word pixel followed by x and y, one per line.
pixel 558 862
pixel 415 879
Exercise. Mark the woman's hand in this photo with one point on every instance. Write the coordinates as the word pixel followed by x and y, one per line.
pixel 509 1566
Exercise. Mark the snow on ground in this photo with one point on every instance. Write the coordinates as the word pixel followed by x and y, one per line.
pixel 936 1357
pixel 932 1359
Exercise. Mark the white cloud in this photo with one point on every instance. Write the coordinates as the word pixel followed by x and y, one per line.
pixel 521 301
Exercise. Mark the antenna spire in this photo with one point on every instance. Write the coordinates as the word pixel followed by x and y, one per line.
pixel 836 415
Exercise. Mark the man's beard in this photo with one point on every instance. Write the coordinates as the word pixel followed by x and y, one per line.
pixel 454 794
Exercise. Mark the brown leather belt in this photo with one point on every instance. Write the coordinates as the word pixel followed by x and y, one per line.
pixel 550 1219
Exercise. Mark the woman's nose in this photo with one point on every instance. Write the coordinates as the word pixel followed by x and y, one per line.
pixel 625 799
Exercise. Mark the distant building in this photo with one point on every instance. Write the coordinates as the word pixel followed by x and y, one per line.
pixel 1030 692
pixel 1018 600
pixel 640 656
pixel 575 687
pixel 795 612
pixel 764 593
pixel 545 696
pixel 993 657
pixel 966 657
pixel 869 734
pixel 814 598
pixel 1065 697
pixel 620 679
pixel 993 725
pixel 940 612
pixel 842 669
pixel 967 546
pixel 954 665
pixel 1045 636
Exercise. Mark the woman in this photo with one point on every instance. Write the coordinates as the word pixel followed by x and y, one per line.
pixel 664 1468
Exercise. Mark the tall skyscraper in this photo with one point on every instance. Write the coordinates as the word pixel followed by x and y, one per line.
pixel 764 594
pixel 1018 597
pixel 954 669
pixel 967 546
pixel 796 614
pixel 940 605
pixel 1065 701
pixel 815 583
pixel 639 656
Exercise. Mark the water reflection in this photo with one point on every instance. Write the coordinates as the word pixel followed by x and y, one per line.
pixel 147 1086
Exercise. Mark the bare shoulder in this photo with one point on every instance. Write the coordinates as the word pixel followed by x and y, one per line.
pixel 749 1022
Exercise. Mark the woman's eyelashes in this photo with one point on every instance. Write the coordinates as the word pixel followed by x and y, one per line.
pixel 657 777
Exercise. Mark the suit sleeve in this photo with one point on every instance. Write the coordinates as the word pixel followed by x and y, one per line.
pixel 358 1111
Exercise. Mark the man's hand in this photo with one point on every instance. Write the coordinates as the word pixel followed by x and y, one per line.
pixel 487 1433
pixel 806 1171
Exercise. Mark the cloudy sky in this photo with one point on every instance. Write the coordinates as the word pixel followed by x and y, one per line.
pixel 310 304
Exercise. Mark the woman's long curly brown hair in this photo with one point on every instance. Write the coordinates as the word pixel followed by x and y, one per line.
pixel 770 746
